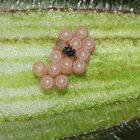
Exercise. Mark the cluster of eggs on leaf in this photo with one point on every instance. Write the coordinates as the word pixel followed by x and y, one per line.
pixel 71 52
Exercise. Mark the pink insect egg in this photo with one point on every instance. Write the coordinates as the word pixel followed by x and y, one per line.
pixel 79 66
pixel 53 69
pixel 81 32
pixel 47 82
pixel 65 35
pixel 83 54
pixel 59 45
pixel 55 56
pixel 66 65
pixel 61 81
pixel 76 43
pixel 39 69
pixel 89 43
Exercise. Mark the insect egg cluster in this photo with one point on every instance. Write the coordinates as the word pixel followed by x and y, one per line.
pixel 71 52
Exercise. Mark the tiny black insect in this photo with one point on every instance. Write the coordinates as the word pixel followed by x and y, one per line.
pixel 68 50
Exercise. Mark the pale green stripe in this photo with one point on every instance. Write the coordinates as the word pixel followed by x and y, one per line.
pixel 109 49
pixel 35 91
pixel 121 70
pixel 16 52
pixel 13 68
pixel 64 105
pixel 24 59
pixel 50 23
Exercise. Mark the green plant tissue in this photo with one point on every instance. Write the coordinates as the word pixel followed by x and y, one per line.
pixel 106 95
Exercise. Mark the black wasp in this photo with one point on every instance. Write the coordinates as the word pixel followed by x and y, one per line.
pixel 68 50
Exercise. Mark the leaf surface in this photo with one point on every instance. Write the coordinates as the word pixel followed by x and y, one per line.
pixel 106 95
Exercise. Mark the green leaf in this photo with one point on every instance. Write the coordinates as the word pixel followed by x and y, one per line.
pixel 106 95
